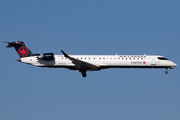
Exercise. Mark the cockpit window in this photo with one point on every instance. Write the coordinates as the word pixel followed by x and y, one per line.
pixel 162 58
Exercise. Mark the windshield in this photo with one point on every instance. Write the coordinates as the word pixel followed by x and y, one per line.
pixel 162 58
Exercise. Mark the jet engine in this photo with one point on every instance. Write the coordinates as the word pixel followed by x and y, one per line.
pixel 46 56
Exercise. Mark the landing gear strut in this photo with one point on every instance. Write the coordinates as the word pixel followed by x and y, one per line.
pixel 166 71
pixel 83 72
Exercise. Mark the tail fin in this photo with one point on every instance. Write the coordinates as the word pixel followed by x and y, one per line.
pixel 21 49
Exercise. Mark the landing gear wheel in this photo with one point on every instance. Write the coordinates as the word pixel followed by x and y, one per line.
pixel 84 73
pixel 166 71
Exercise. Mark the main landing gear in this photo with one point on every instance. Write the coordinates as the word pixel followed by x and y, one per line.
pixel 83 72
pixel 166 71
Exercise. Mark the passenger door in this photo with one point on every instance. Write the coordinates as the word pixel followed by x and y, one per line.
pixel 153 62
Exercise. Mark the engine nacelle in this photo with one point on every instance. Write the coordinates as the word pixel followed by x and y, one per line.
pixel 47 56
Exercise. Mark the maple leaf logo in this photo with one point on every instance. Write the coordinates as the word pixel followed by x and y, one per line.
pixel 23 51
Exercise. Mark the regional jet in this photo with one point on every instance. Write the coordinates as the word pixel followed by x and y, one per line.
pixel 83 63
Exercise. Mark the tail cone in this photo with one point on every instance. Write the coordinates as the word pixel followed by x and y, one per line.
pixel 19 59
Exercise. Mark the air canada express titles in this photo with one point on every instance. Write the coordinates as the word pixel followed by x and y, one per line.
pixel 136 62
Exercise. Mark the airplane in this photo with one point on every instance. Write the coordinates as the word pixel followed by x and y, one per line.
pixel 83 63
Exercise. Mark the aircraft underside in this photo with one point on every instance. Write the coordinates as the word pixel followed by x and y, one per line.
pixel 83 70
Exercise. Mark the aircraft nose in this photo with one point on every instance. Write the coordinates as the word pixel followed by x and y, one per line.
pixel 174 64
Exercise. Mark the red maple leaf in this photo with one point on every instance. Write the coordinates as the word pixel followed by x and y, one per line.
pixel 23 51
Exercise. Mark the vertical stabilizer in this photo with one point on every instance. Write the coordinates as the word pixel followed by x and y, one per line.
pixel 21 49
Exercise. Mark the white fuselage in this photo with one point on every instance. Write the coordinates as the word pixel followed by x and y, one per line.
pixel 83 63
pixel 103 61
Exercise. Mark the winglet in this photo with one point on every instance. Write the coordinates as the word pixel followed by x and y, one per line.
pixel 65 55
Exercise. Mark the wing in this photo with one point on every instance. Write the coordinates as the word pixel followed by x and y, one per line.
pixel 81 64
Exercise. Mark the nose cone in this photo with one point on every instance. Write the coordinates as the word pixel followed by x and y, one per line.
pixel 174 65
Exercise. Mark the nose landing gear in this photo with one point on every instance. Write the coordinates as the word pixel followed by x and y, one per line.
pixel 166 71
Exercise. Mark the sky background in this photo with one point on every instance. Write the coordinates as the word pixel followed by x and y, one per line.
pixel 94 27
